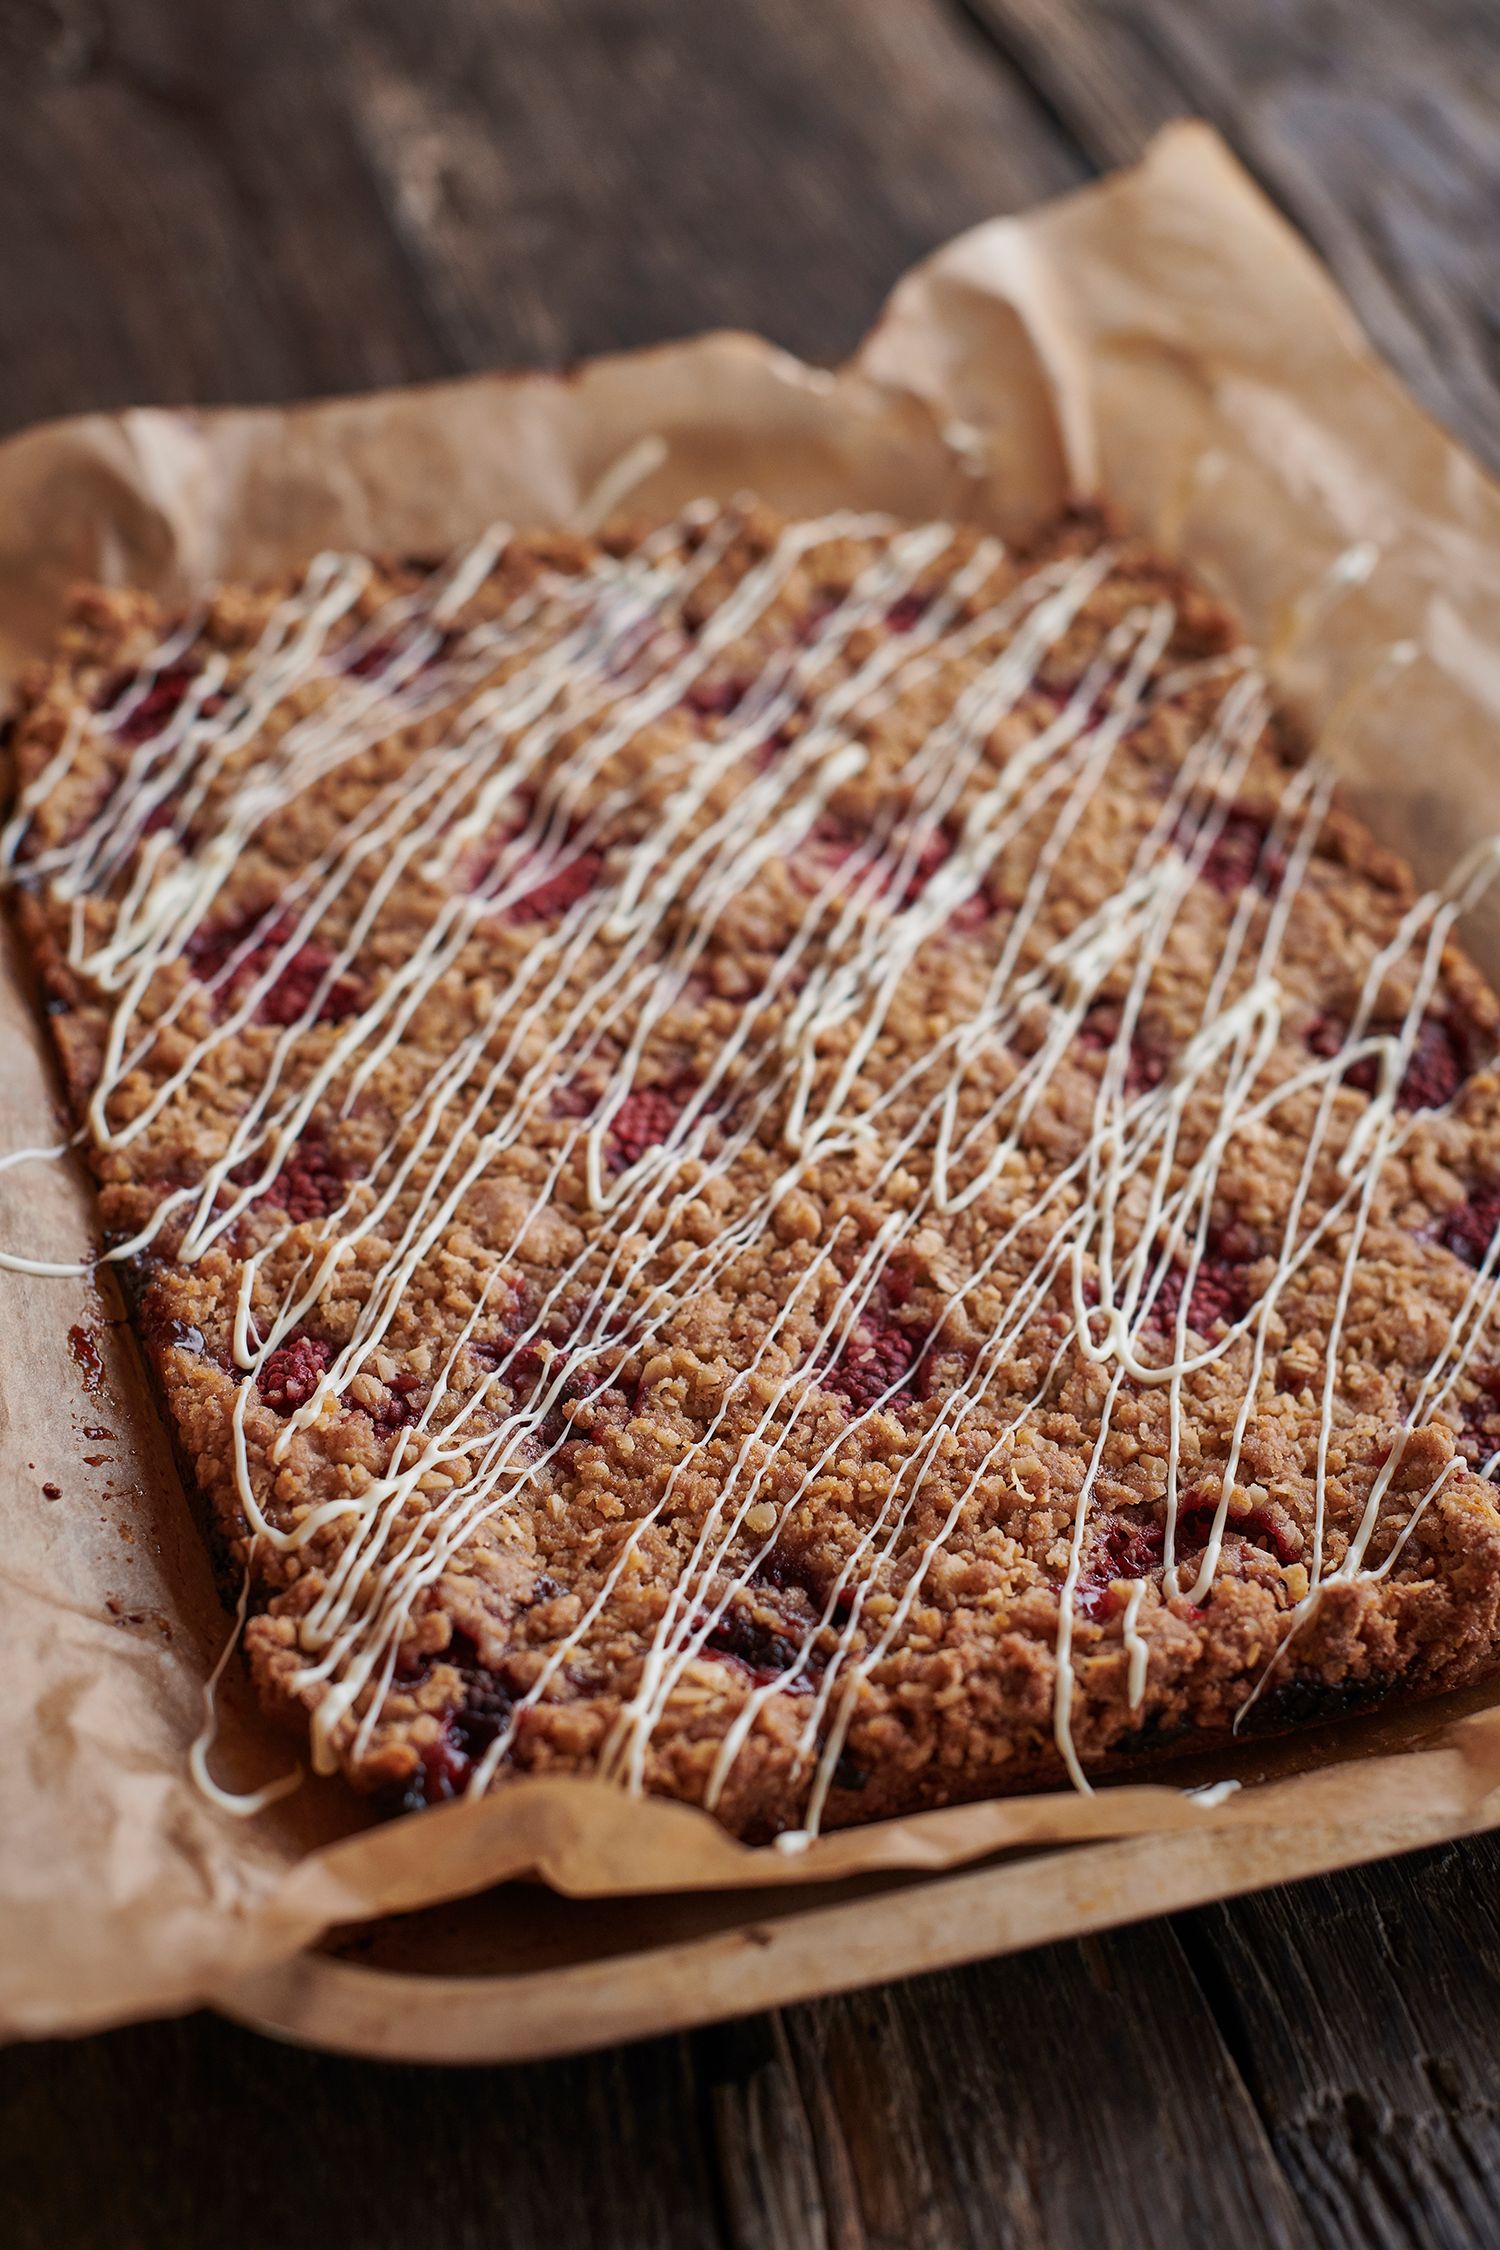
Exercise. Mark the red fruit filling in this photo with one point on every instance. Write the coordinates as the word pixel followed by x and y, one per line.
pixel 879 1357
pixel 292 1373
pixel 311 1183
pixel 553 894
pixel 647 1118
pixel 377 654
pixel 153 713
pixel 1220 1292
pixel 899 880
pixel 469 1730
pixel 1121 1549
pixel 1469 1231
pixel 935 853
pixel 1443 1055
pixel 787 1575
pixel 1124 1549
pixel 596 1403
pixel 400 1406
pixel 765 1654
pixel 572 1101
pixel 1236 855
pixel 290 993
pixel 908 610
pixel 1145 1066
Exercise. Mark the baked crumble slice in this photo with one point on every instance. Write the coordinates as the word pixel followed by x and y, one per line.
pixel 805 1165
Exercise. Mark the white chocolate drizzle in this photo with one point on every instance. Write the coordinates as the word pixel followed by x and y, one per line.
pixel 525 723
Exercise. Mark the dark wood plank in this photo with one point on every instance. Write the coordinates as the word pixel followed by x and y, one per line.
pixel 1372 122
pixel 180 2136
pixel 256 203
pixel 1365 2014
pixel 1078 2095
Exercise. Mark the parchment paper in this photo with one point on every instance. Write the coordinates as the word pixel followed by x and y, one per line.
pixel 1162 339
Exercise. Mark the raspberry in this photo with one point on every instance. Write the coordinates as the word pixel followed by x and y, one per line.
pixel 1441 1060
pixel 765 1654
pixel 377 654
pixel 570 1100
pixel 1125 1549
pixel 1265 1527
pixel 1479 1418
pixel 1237 854
pixel 310 1184
pixel 598 1404
pixel 155 710
pixel 1121 1549
pixel 1469 1230
pixel 833 843
pixel 291 994
pixel 1443 1054
pixel 1145 1065
pixel 401 1406
pixel 645 1119
pixel 786 1574
pixel 291 991
pixel 907 611
pixel 1221 1292
pixel 877 1357
pixel 292 1374
pixel 935 853
pixel 469 1730
pixel 555 893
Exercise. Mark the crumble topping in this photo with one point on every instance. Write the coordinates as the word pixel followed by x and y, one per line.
pixel 804 1165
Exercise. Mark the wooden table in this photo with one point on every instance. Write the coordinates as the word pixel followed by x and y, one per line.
pixel 203 200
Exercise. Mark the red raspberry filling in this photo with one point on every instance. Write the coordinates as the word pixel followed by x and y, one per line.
pixel 555 893
pixel 1126 1549
pixel 764 1653
pixel 1479 1418
pixel 1267 1528
pixel 1469 1230
pixel 1145 1066
pixel 469 1730
pixel 647 1118
pixel 785 1574
pixel 377 654
pixel 292 1374
pixel 401 1405
pixel 880 1356
pixel 1222 1290
pixel 1444 1054
pixel 1237 854
pixel 289 995
pixel 310 1184
pixel 159 705
pixel 832 844
pixel 597 1403
pixel 907 611
pixel 1121 1549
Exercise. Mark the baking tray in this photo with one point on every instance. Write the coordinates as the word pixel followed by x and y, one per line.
pixel 519 1972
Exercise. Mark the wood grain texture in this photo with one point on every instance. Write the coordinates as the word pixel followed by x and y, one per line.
pixel 1365 2015
pixel 210 201
pixel 197 2135
pixel 1372 122
pixel 1053 2098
